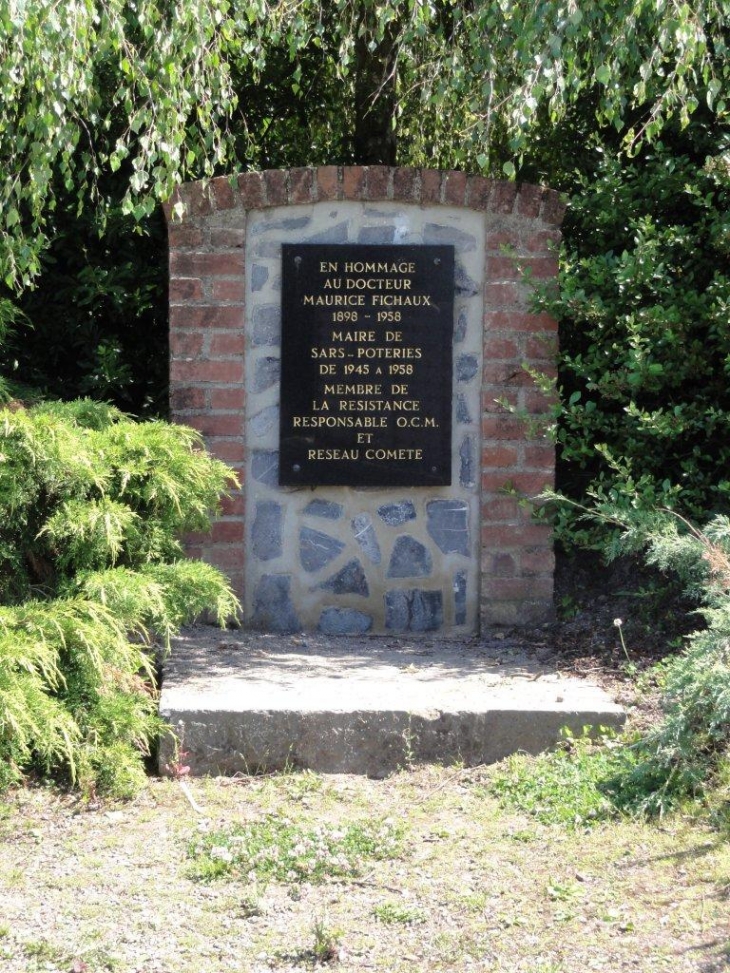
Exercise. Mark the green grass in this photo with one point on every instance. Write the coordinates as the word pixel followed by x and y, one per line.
pixel 394 913
pixel 275 849
pixel 576 785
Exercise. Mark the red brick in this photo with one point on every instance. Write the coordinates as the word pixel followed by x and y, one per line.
pixel 300 185
pixel 537 560
pixel 228 532
pixel 215 424
pixel 276 194
pixel 499 456
pixel 496 294
pixel 499 509
pixel 553 207
pixel 221 372
pixel 204 316
pixel 526 484
pixel 497 346
pixel 541 268
pixel 353 182
pixel 252 190
pixel 186 398
pixel 505 373
pixel 454 188
pixel 512 536
pixel 500 565
pixel 543 345
pixel 540 455
pixel 225 557
pixel 502 197
pixel 233 505
pixel 499 239
pixel 536 402
pixel 229 290
pixel 227 344
pixel 504 268
pixel 186 344
pixel 529 199
pixel 228 450
pixel 546 241
pixel 477 192
pixel 228 398
pixel 227 237
pixel 502 426
pixel 328 182
pixel 223 193
pixel 181 235
pixel 430 186
pixel 405 185
pixel 518 321
pixel 185 289
pixel 183 264
pixel 492 393
pixel 518 588
pixel 196 196
pixel 378 178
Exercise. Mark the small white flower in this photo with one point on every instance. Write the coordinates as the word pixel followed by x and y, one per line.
pixel 618 622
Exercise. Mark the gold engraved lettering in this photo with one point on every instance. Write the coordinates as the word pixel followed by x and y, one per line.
pixel 333 300
pixel 353 336
pixel 407 352
pixel 378 405
pixel 379 267
pixel 328 352
pixel 416 422
pixel 401 300
pixel 345 389
pixel 377 284
pixel 340 422
pixel 393 454
pixel 333 454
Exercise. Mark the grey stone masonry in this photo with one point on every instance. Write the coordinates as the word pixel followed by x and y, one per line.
pixel 355 560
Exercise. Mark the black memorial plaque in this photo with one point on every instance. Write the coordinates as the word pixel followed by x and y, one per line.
pixel 366 365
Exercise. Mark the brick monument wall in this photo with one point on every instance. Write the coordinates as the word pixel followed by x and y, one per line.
pixel 371 560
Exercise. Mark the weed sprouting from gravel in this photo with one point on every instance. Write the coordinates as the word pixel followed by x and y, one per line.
pixel 393 913
pixel 276 849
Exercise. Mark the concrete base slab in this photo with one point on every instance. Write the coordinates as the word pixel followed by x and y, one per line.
pixel 247 702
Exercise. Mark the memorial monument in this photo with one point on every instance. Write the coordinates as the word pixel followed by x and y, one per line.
pixel 359 344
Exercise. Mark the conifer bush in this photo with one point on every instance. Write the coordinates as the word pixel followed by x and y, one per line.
pixel 92 507
pixel 686 753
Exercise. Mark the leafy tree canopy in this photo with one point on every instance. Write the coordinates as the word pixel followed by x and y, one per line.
pixel 148 89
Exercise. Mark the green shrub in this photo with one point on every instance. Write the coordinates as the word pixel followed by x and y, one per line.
pixel 642 306
pixel 92 506
pixel 685 757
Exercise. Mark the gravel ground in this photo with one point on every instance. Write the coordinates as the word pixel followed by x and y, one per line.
pixel 88 888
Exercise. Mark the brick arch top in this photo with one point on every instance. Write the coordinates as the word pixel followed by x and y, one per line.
pixel 279 187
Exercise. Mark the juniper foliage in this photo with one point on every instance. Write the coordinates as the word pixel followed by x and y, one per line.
pixel 686 754
pixel 92 506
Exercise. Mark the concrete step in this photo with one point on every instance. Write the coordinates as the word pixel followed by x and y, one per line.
pixel 247 702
